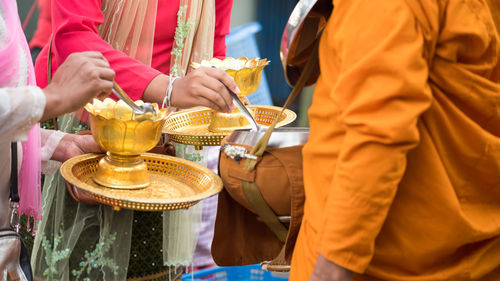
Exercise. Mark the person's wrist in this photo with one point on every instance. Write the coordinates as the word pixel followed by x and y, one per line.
pixel 167 101
pixel 53 103
pixel 62 150
pixel 176 95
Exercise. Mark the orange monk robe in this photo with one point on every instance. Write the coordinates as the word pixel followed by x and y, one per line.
pixel 402 167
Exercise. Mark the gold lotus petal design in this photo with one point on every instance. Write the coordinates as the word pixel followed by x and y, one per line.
pixel 246 75
pixel 126 137
pixel 115 129
pixel 110 109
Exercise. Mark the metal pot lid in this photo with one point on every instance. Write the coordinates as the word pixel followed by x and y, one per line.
pixel 281 137
pixel 304 27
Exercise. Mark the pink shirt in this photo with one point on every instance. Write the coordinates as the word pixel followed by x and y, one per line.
pixel 74 29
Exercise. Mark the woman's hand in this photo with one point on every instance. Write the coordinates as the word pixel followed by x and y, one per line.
pixel 204 86
pixel 80 78
pixel 72 145
pixel 325 270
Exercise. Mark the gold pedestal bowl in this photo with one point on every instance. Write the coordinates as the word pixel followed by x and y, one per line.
pixel 125 138
pixel 246 73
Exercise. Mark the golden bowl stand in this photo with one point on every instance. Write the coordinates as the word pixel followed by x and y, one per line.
pixel 122 171
pixel 124 141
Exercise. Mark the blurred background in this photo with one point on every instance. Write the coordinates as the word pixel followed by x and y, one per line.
pixel 256 29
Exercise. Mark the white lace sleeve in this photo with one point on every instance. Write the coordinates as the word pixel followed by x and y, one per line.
pixel 50 141
pixel 20 109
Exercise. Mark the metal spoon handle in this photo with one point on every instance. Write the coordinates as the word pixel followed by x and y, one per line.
pixel 124 97
pixel 241 106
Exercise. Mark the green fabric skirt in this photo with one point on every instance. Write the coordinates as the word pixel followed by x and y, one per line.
pixel 146 257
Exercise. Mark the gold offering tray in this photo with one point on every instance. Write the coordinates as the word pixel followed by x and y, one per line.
pixel 175 183
pixel 191 126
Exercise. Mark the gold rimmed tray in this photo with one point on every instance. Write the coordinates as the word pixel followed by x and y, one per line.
pixel 175 183
pixel 191 126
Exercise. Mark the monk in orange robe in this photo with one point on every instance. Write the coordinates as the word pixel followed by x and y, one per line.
pixel 402 167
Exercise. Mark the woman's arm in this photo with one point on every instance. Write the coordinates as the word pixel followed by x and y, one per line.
pixel 75 26
pixel 75 30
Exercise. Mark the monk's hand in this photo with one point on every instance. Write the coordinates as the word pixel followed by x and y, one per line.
pixel 325 270
pixel 204 86
pixel 72 145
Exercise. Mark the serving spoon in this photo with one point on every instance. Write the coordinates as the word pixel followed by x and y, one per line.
pixel 241 106
pixel 138 110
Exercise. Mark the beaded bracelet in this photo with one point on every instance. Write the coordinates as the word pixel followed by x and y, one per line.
pixel 168 95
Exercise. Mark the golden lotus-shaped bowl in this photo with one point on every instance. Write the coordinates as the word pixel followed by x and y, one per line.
pixel 246 73
pixel 248 78
pixel 124 138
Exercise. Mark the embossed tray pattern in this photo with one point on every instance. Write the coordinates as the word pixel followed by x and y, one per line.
pixel 175 183
pixel 191 126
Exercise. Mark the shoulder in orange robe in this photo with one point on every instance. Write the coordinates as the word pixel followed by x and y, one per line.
pixel 402 168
